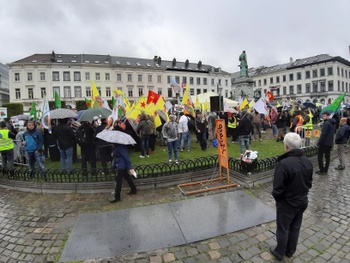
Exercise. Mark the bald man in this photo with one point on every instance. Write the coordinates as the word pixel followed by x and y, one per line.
pixel 341 140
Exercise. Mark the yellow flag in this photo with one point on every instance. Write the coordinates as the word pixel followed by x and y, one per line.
pixel 96 100
pixel 157 121
pixel 244 103
pixel 251 104
pixel 198 105
pixel 141 104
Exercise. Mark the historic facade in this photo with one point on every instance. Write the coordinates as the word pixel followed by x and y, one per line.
pixel 71 76
pixel 4 84
pixel 320 78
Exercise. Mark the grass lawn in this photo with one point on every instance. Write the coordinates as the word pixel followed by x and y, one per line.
pixel 267 148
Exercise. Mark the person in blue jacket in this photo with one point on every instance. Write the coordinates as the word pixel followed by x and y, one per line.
pixel 124 169
pixel 33 141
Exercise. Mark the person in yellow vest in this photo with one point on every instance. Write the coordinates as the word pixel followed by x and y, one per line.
pixel 232 127
pixel 307 125
pixel 6 146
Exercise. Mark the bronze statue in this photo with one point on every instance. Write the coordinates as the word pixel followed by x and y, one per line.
pixel 243 65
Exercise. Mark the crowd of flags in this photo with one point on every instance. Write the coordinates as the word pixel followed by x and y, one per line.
pixel 154 105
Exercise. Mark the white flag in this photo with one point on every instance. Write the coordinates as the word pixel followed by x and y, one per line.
pixel 260 106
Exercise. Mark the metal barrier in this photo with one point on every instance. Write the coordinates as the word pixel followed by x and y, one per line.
pixel 143 171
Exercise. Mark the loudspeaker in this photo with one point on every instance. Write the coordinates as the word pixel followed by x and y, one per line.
pixel 215 105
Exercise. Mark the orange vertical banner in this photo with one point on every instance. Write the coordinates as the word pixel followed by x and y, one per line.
pixel 222 145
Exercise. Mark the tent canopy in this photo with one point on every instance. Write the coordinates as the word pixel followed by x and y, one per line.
pixel 203 97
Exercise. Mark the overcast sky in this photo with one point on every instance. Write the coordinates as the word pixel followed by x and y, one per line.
pixel 215 32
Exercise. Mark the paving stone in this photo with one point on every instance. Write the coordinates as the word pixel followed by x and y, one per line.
pixel 169 257
pixel 214 254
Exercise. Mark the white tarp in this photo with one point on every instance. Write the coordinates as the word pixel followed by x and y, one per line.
pixel 205 97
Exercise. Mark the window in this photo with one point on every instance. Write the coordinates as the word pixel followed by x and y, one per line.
pixel 330 85
pixel 198 81
pixel 159 78
pixel 314 87
pixel 338 85
pixel 139 78
pixel 42 92
pixel 342 86
pixel 298 75
pixel 129 77
pixel 130 92
pixel 265 82
pixel 205 81
pixel 191 80
pixel 184 80
pixel 259 82
pixel 338 71
pixel 314 73
pixel 284 78
pixel 77 92
pixel 30 76
pixel 219 81
pixel 330 71
pixel 307 74
pixel 322 72
pixel 160 91
pixel 271 80
pixel 42 76
pixel 97 76
pixel 198 91
pixel 17 78
pixel 291 77
pixel 205 91
pixel 18 94
pixel 107 77
pixel 140 91
pixel 119 77
pixel 56 90
pixel 284 90
pixel 66 76
pixel 170 92
pixel 77 76
pixel 55 76
pixel 323 86
pixel 307 88
pixel 347 88
pixel 30 93
pixel 87 76
pixel 88 91
pixel 212 81
pixel 342 72
pixel 192 92
pixel 226 83
pixel 99 90
pixel 108 92
pixel 291 89
pixel 168 79
pixel 177 79
pixel 277 79
pixel 299 88
pixel 150 80
pixel 67 92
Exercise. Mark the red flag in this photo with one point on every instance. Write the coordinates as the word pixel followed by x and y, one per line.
pixel 152 97
pixel 270 96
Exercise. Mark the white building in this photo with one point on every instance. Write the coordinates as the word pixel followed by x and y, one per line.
pixel 71 76
pixel 320 78
pixel 4 84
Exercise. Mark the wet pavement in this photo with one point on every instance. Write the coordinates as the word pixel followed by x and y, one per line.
pixel 35 227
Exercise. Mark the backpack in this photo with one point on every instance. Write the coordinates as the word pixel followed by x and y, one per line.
pixel 80 135
pixel 191 125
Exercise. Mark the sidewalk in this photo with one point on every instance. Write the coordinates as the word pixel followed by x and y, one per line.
pixel 34 227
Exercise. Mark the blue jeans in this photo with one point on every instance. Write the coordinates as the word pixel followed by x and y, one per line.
pixel 274 129
pixel 172 146
pixel 186 136
pixel 35 157
pixel 243 142
pixel 144 145
pixel 66 159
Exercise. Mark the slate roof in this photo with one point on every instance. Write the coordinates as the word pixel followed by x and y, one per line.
pixel 115 61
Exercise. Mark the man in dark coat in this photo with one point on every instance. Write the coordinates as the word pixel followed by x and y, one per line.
pixel 341 140
pixel 291 184
pixel 325 143
pixel 244 129
pixel 103 148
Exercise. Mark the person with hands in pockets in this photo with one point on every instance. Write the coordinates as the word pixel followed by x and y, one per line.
pixel 33 141
pixel 123 166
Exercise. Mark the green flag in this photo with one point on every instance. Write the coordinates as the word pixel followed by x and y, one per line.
pixel 58 103
pixel 113 102
pixel 33 111
pixel 335 105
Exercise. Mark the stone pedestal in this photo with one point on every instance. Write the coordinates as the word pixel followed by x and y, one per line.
pixel 243 87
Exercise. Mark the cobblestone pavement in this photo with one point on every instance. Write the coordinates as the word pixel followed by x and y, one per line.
pixel 34 227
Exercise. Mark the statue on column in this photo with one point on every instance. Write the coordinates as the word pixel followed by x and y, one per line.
pixel 243 65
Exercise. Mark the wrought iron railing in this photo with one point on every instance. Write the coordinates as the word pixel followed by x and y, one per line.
pixel 144 171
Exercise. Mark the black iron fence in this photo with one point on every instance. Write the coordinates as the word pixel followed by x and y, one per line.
pixel 144 171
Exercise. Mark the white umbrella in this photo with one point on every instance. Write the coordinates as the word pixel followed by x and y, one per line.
pixel 232 110
pixel 62 114
pixel 116 137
